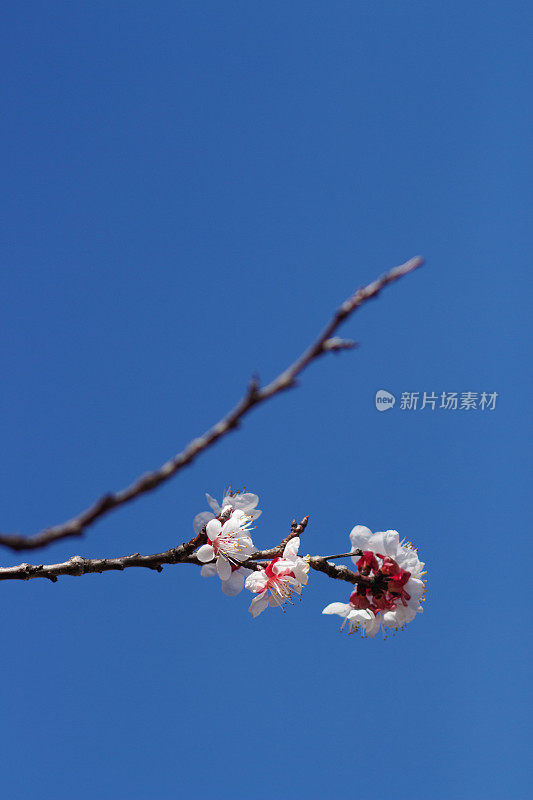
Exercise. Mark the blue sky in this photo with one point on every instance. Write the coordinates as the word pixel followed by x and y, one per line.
pixel 190 190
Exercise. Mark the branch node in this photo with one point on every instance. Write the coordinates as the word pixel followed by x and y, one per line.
pixel 253 388
pixel 335 344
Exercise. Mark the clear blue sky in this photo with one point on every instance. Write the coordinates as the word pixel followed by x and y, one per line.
pixel 190 188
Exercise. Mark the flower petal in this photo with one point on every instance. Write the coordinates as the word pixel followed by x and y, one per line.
pixel 359 537
pixel 391 619
pixel 244 500
pixel 373 627
pixel 208 570
pixel 300 570
pixel 234 584
pixel 275 600
pixel 257 581
pixel 415 587
pixel 281 567
pixel 342 609
pixel 213 529
pixel 407 558
pixel 258 604
pixel 200 520
pixel 213 503
pixel 291 548
pixel 205 553
pixel 367 620
pixel 223 568
pixel 386 542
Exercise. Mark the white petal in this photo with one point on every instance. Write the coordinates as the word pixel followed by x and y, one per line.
pixel 408 559
pixel 391 619
pixel 373 627
pixel 342 609
pixel 366 620
pixel 275 600
pixel 301 570
pixel 244 500
pixel 255 513
pixel 359 537
pixel 258 604
pixel 234 584
pixel 385 542
pixel 200 520
pixel 291 548
pixel 213 503
pixel 406 614
pixel 205 553
pixel 213 529
pixel 415 587
pixel 257 581
pixel 282 566
pixel 223 568
pixel 208 570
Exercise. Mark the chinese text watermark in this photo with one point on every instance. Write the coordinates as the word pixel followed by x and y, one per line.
pixel 447 401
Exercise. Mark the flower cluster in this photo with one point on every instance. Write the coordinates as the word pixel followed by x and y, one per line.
pixel 389 586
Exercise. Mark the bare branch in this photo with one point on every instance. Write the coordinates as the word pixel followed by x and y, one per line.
pixel 255 395
pixel 77 565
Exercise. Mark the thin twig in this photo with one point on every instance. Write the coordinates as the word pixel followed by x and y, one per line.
pixel 344 555
pixel 254 396
pixel 337 571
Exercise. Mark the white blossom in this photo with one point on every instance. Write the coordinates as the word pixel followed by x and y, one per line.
pixel 275 584
pixel 391 587
pixel 227 543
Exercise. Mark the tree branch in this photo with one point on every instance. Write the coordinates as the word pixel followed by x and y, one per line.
pixel 255 395
pixel 77 565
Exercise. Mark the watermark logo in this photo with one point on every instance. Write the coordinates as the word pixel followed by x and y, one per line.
pixel 384 400
pixel 437 401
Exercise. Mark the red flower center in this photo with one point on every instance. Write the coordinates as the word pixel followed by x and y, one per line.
pixel 384 588
pixel 274 576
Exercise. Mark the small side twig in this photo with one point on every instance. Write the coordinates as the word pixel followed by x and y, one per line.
pixel 297 528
